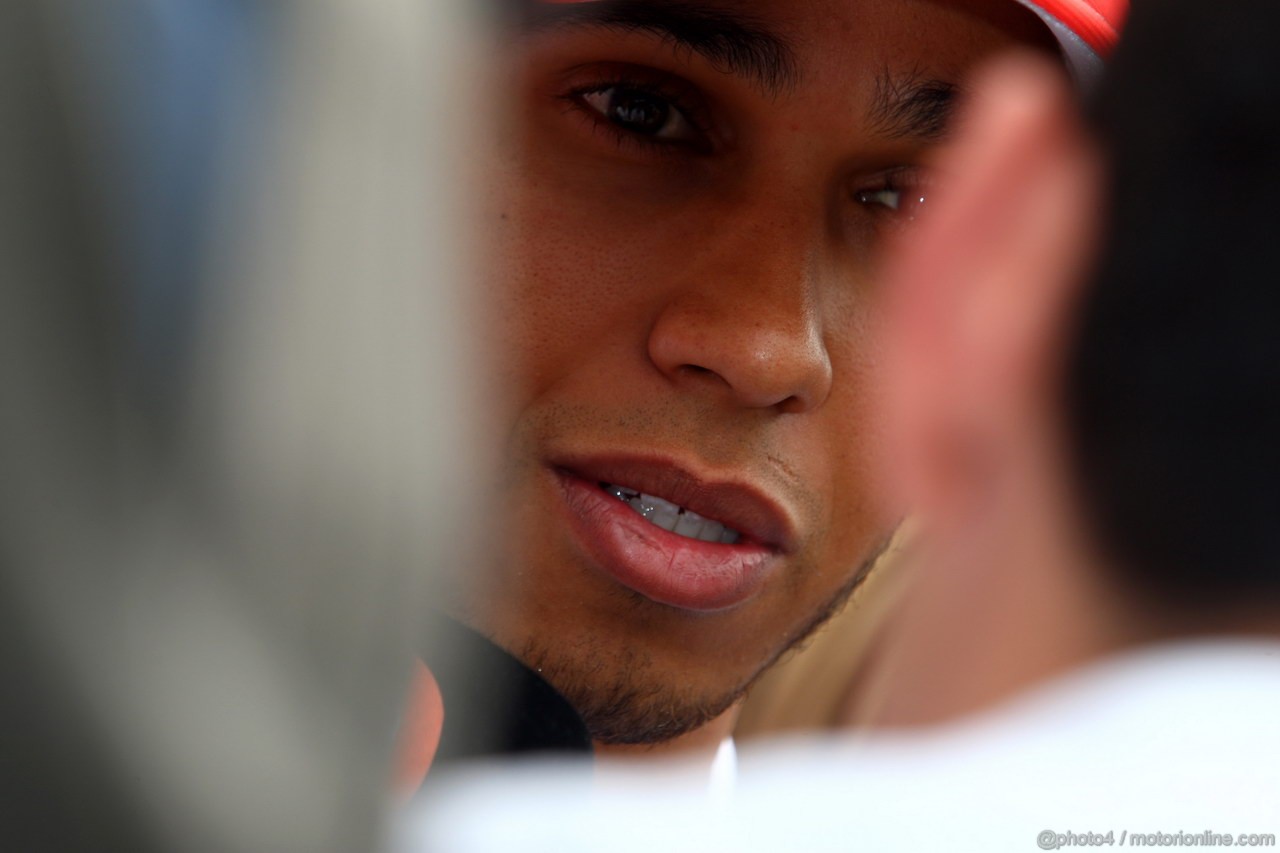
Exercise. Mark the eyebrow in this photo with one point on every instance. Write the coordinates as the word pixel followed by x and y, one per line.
pixel 913 106
pixel 733 42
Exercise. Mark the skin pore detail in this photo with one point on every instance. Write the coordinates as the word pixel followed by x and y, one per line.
pixel 687 202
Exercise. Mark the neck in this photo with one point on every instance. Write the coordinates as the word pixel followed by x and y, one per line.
pixel 976 630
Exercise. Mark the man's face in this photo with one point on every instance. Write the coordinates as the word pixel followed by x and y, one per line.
pixel 688 207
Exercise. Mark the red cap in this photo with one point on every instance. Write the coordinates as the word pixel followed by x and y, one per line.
pixel 1087 30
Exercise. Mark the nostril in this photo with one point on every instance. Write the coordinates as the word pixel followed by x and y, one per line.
pixel 793 406
pixel 778 361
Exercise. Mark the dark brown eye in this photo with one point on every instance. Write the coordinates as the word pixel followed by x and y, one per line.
pixel 642 113
pixel 638 112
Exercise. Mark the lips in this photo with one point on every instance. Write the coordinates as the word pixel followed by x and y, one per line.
pixel 655 560
pixel 677 519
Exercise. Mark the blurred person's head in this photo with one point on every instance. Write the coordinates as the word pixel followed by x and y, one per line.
pixel 688 205
pixel 1086 372
pixel 213 556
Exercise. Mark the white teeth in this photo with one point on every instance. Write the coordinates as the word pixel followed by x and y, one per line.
pixel 620 493
pixel 691 525
pixel 666 518
pixel 672 517
pixel 653 504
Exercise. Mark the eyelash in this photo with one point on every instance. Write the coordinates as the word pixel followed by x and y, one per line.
pixel 624 137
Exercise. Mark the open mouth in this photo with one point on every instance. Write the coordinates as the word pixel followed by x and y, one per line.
pixel 678 549
pixel 672 517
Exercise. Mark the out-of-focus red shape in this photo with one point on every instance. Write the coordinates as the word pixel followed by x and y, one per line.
pixel 1098 22
pixel 419 732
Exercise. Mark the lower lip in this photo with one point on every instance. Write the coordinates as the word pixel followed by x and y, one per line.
pixel 669 569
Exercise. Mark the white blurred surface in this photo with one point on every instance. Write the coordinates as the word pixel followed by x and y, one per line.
pixel 1172 739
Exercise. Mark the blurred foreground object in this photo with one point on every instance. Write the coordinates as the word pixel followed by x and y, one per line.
pixel 229 452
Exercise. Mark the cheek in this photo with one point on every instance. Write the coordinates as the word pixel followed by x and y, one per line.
pixel 575 266
pixel 557 292
pixel 861 507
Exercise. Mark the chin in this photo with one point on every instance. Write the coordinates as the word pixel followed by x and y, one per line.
pixel 626 696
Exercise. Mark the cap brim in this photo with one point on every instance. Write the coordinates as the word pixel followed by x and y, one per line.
pixel 1083 56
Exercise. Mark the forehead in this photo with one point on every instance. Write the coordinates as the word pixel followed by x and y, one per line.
pixel 784 43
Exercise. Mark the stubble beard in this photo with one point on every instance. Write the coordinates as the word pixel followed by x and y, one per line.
pixel 621 693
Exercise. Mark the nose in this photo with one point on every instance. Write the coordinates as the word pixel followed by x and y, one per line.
pixel 745 321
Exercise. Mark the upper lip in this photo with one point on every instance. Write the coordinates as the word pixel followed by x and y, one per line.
pixel 736 504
